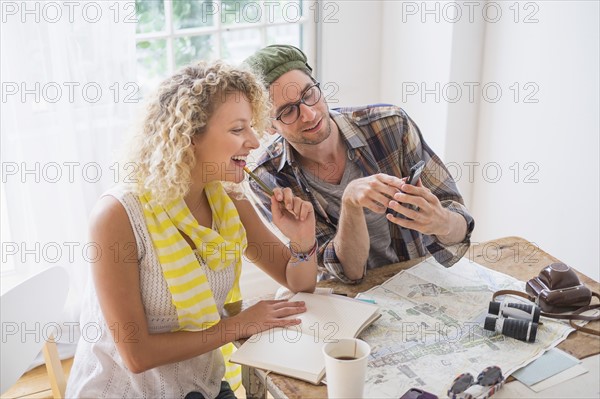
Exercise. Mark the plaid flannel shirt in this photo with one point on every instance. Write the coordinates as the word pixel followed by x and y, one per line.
pixel 380 139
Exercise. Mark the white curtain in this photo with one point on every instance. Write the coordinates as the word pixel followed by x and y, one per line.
pixel 68 101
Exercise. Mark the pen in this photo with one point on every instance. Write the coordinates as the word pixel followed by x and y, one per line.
pixel 366 300
pixel 264 187
pixel 358 299
pixel 257 179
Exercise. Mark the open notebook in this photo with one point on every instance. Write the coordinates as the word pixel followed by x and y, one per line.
pixel 296 351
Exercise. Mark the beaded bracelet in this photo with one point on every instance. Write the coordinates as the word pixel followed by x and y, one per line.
pixel 303 256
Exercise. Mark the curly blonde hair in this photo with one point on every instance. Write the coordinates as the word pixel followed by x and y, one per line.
pixel 179 110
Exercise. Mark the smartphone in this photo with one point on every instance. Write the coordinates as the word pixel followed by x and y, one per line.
pixel 415 173
pixel 415 393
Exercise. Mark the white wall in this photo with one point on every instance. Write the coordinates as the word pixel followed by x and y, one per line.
pixel 557 135
pixel 350 52
pixel 416 56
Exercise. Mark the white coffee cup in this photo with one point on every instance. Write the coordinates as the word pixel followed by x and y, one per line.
pixel 346 367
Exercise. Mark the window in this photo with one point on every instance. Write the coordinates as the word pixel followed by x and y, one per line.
pixel 171 34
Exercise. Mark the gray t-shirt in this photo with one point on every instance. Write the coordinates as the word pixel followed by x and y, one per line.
pixel 329 195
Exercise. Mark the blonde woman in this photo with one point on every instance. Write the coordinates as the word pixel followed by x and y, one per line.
pixel 172 246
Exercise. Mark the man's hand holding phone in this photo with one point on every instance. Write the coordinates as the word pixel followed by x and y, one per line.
pixel 417 208
pixel 413 178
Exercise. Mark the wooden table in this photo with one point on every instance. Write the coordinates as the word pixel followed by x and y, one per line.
pixel 514 256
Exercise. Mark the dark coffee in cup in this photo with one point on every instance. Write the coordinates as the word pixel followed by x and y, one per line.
pixel 346 367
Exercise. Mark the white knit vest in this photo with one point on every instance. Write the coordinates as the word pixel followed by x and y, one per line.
pixel 98 370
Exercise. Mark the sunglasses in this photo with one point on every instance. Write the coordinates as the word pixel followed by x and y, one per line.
pixel 488 382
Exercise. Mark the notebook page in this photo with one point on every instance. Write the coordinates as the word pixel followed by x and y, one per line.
pixel 330 317
pixel 285 352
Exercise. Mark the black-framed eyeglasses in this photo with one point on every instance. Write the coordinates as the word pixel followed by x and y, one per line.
pixel 291 112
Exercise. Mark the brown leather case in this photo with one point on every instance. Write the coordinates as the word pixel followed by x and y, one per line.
pixel 558 289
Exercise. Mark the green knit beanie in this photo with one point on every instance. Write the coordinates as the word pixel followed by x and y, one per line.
pixel 273 61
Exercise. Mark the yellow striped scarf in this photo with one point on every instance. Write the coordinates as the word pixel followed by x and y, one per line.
pixel 187 282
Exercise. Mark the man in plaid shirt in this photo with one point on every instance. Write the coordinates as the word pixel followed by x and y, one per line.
pixel 351 164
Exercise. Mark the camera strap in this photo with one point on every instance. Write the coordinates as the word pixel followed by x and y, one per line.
pixel 575 315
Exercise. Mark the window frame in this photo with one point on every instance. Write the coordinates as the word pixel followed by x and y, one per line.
pixel 308 38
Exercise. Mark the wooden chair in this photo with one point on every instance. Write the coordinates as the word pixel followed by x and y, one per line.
pixel 29 313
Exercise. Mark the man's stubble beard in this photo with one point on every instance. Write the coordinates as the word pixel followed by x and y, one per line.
pixel 323 134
